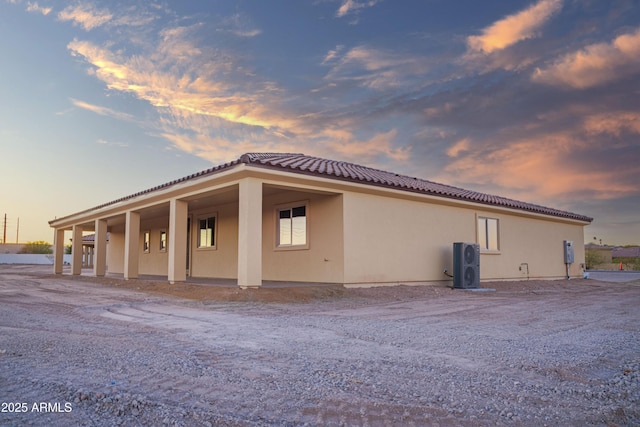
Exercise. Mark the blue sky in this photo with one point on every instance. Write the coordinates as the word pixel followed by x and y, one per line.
pixel 533 100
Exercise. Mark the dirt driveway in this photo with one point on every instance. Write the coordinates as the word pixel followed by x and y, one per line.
pixel 82 351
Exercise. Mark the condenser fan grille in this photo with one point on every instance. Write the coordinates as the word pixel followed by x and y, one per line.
pixel 469 277
pixel 469 255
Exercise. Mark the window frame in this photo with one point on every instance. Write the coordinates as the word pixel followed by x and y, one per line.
pixel 206 216
pixel 146 241
pixel 483 227
pixel 290 207
pixel 162 248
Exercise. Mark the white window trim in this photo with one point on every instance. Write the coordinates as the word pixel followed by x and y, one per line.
pixel 146 233
pixel 482 249
pixel 276 214
pixel 215 231
pixel 166 239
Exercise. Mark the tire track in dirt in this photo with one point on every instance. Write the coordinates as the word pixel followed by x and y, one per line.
pixel 528 354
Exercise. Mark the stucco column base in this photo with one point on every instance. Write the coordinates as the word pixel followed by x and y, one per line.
pixel 245 287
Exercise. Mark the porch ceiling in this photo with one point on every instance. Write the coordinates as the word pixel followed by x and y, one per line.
pixel 203 200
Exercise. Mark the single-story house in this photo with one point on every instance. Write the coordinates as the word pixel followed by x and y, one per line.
pixel 88 249
pixel 291 217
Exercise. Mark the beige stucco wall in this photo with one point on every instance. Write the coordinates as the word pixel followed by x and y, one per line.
pixel 155 261
pixel 388 240
pixel 221 262
pixel 367 235
pixel 322 261
pixel 536 242
pixel 394 240
pixel 115 255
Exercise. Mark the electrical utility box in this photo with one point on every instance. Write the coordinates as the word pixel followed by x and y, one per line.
pixel 466 265
pixel 568 252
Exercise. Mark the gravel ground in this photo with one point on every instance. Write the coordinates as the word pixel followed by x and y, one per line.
pixel 82 351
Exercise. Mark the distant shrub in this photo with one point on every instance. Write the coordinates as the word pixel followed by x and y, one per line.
pixel 593 258
pixel 39 247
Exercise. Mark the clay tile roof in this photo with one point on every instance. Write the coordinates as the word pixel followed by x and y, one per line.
pixel 333 169
pixel 299 163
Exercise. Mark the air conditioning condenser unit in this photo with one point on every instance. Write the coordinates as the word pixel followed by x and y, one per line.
pixel 466 265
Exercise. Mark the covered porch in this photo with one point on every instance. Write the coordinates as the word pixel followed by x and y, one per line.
pixel 218 235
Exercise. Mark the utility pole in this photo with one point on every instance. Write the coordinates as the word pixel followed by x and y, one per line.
pixel 4 227
pixel 18 232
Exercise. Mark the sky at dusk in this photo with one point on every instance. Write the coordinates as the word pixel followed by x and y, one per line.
pixel 533 100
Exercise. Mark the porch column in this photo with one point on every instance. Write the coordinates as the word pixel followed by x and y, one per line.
pixel 131 244
pixel 76 250
pixel 177 268
pixel 58 251
pixel 100 254
pixel 250 233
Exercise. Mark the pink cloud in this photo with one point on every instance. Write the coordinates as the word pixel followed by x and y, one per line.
pixel 594 65
pixel 85 15
pixel 351 6
pixel 535 169
pixel 34 7
pixel 613 123
pixel 379 145
pixel 514 28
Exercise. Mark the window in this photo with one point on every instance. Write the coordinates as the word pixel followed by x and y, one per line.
pixel 147 242
pixel 488 234
pixel 207 232
pixel 292 226
pixel 163 240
